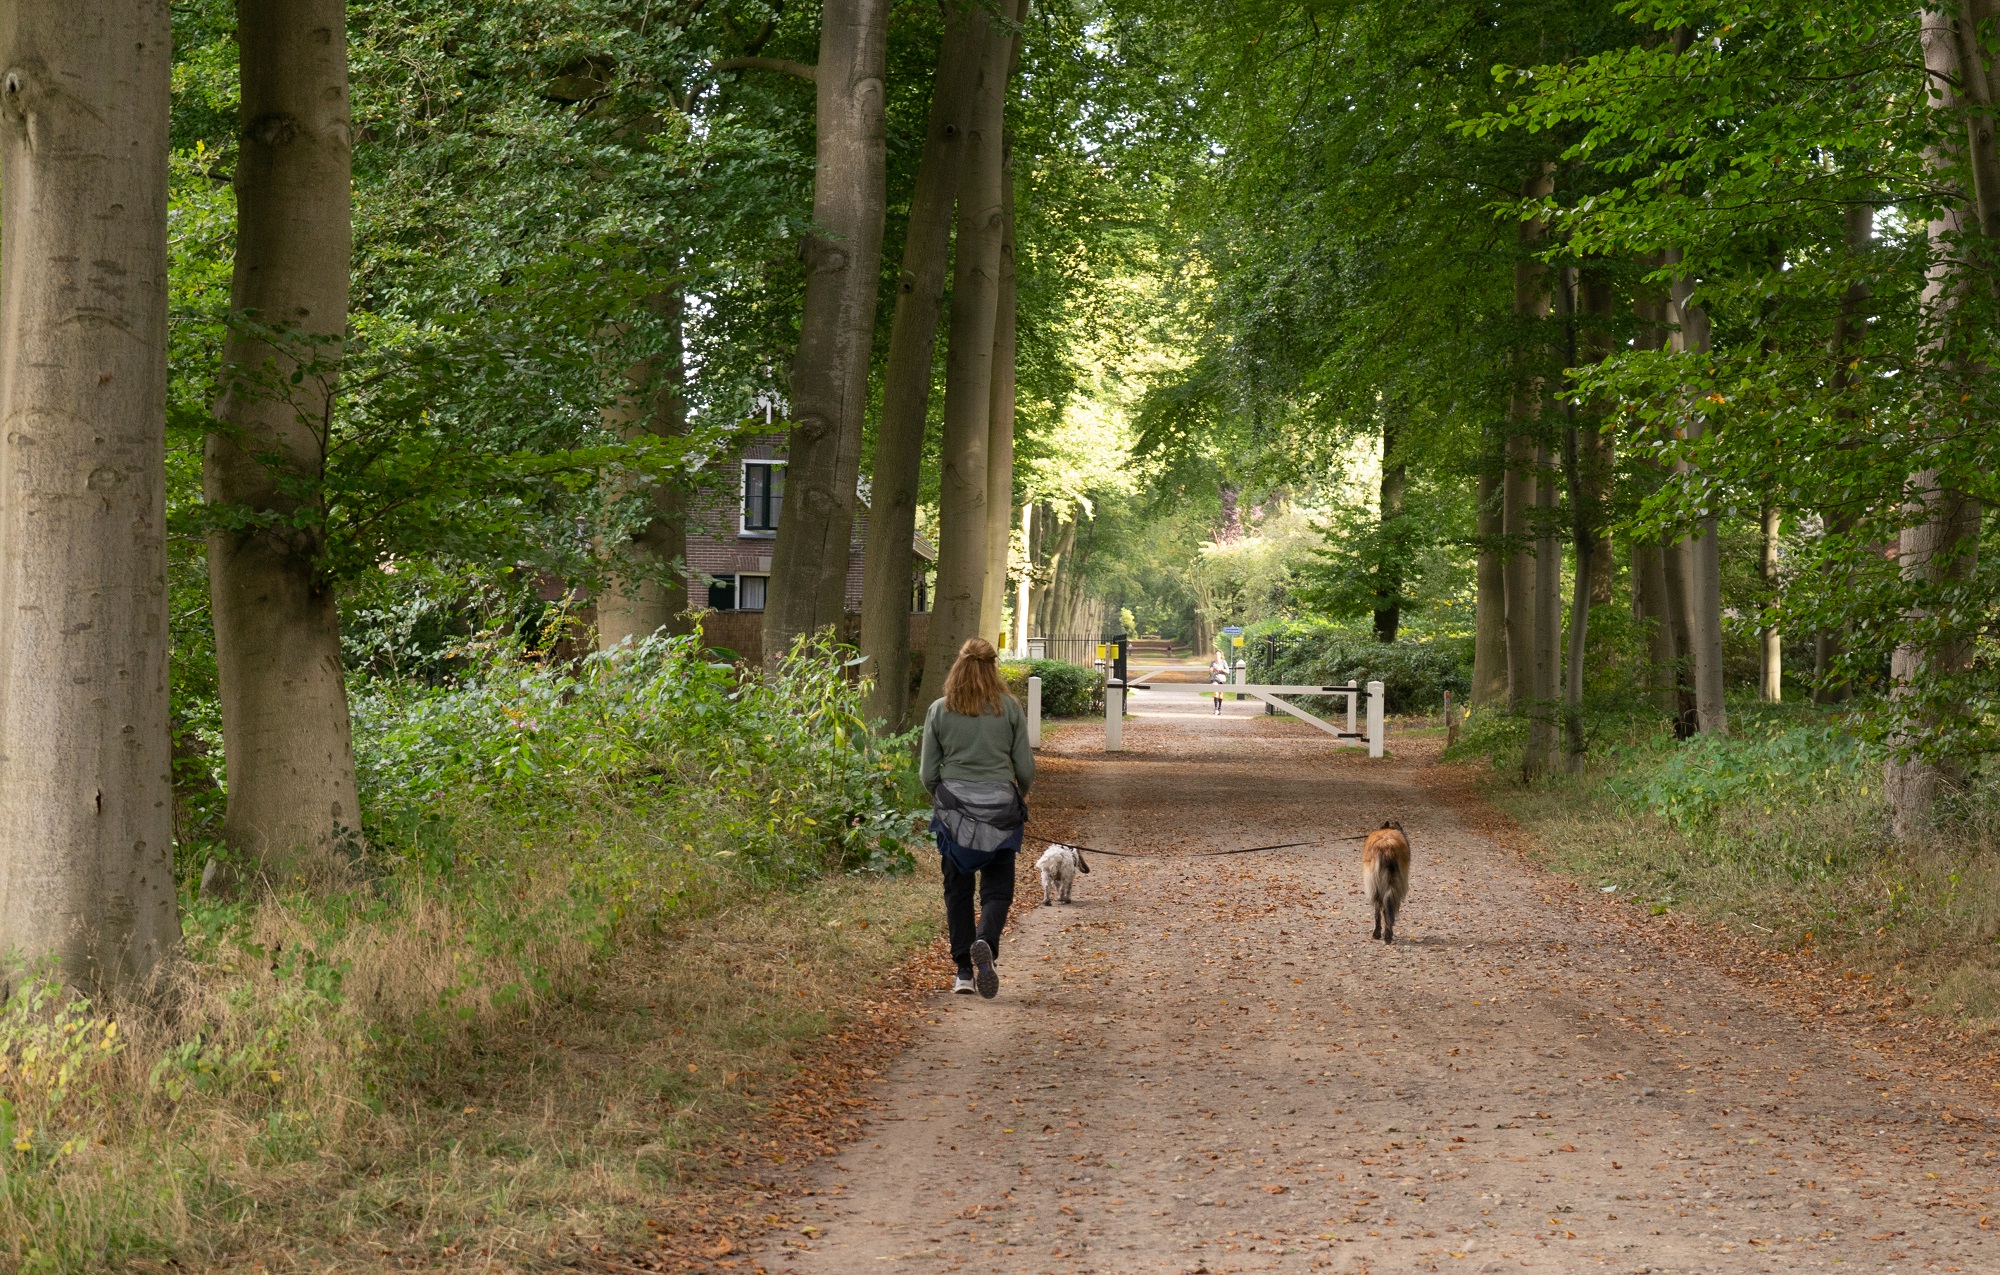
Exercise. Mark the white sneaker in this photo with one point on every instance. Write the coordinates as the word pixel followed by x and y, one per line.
pixel 963 987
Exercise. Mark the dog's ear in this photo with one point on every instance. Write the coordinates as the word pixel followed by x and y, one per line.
pixel 1396 824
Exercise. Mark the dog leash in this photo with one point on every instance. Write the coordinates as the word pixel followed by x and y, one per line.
pixel 1205 854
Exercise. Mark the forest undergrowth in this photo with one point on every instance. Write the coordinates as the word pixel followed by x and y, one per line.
pixel 1778 831
pixel 596 915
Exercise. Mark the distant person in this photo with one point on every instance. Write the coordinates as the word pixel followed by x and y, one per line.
pixel 977 766
pixel 1218 673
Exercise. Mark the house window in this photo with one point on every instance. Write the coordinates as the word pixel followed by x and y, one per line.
pixel 750 592
pixel 722 593
pixel 763 496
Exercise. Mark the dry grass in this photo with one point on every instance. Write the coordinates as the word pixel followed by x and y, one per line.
pixel 394 1094
pixel 1818 875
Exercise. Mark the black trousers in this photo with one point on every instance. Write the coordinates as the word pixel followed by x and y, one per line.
pixel 994 885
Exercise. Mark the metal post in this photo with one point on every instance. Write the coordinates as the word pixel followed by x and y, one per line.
pixel 1035 712
pixel 1114 716
pixel 1374 719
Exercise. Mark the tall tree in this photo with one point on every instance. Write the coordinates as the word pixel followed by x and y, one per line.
pixel 1699 554
pixel 650 592
pixel 887 571
pixel 1489 606
pixel 287 748
pixel 829 382
pixel 1389 509
pixel 86 829
pixel 1938 544
pixel 1000 413
pixel 968 388
pixel 1527 541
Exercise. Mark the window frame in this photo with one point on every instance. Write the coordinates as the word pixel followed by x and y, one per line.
pixel 743 527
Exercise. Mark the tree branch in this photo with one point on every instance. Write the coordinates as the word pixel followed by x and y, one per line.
pixel 802 69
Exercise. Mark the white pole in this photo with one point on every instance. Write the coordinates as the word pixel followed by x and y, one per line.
pixel 1114 717
pixel 1035 712
pixel 1374 718
pixel 1351 695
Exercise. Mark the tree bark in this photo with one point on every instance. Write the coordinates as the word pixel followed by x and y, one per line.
pixel 1531 304
pixel 1849 330
pixel 1656 613
pixel 1937 548
pixel 1000 418
pixel 654 595
pixel 889 567
pixel 1771 668
pixel 1389 577
pixel 1489 614
pixel 1023 587
pixel 1674 567
pixel 293 809
pixel 1527 499
pixel 1543 709
pixel 86 810
pixel 829 384
pixel 1700 559
pixel 968 387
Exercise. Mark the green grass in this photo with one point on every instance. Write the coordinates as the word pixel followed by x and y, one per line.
pixel 1780 833
pixel 603 914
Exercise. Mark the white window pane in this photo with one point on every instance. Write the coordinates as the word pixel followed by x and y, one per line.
pixel 750 592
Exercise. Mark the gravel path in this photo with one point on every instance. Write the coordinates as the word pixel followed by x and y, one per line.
pixel 1205 1065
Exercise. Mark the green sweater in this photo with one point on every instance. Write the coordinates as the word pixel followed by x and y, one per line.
pixel 990 747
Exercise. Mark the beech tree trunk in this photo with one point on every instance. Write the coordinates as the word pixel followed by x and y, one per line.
pixel 1771 667
pixel 1531 303
pixel 293 810
pixel 1701 562
pixel 1849 330
pixel 968 386
pixel 888 571
pixel 1674 567
pixel 86 823
pixel 1543 706
pixel 1389 580
pixel 829 383
pixel 1937 549
pixel 1657 615
pixel 653 595
pixel 1000 421
pixel 1489 614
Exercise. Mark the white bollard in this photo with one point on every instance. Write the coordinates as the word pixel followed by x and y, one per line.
pixel 1350 714
pixel 1114 718
pixel 1242 676
pixel 1035 712
pixel 1374 719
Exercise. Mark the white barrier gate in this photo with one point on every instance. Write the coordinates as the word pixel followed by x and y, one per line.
pixel 1269 693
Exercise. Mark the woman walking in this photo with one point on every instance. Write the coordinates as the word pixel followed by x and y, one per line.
pixel 977 766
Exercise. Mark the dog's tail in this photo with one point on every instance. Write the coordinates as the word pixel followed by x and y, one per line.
pixel 1081 866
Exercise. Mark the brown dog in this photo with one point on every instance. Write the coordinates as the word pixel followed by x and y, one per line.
pixel 1385 875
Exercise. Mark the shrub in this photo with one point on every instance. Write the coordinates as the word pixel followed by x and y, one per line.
pixel 1067 690
pixel 1414 674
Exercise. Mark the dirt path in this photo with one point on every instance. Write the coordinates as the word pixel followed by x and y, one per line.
pixel 1205 1065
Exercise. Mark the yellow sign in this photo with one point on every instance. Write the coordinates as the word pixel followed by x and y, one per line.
pixel 1237 640
pixel 1100 650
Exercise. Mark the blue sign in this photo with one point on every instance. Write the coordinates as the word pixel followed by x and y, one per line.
pixel 1232 630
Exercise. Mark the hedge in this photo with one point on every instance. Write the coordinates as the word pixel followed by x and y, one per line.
pixel 1414 675
pixel 1067 690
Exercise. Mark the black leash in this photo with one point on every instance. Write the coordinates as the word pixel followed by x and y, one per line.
pixel 1205 854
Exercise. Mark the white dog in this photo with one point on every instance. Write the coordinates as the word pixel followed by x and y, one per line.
pixel 1060 866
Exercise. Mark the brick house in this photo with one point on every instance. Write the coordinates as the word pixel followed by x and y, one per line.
pixel 731 527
